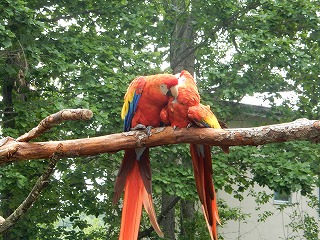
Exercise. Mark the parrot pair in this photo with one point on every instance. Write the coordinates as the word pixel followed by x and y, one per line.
pixel 149 101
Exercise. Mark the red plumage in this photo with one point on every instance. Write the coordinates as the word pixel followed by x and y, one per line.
pixel 182 112
pixel 144 99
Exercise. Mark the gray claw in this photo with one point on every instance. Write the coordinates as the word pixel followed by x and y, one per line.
pixel 148 130
pixel 139 127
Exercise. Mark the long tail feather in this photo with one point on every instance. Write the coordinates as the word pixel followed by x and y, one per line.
pixel 132 205
pixel 202 166
pixel 148 206
pixel 145 173
pixel 126 166
pixel 134 178
pixel 145 170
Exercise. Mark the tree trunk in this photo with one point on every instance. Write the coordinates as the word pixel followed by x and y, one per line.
pixel 168 222
pixel 181 51
pixel 182 57
pixel 187 214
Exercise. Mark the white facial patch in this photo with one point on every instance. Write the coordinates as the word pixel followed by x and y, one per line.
pixel 164 89
pixel 181 81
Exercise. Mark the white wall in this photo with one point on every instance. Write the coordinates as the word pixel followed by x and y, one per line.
pixel 275 226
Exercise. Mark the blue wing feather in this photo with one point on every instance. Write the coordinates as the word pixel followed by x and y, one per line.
pixel 131 101
pixel 132 109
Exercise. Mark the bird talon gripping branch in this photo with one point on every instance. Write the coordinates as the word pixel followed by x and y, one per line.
pixel 138 127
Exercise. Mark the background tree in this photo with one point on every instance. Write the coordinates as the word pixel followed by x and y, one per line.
pixel 58 54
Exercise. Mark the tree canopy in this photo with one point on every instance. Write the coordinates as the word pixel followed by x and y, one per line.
pixel 82 54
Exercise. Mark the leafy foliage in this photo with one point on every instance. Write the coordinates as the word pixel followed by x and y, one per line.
pixel 84 54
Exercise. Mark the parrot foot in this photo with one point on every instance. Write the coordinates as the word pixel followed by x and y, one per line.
pixel 139 127
pixel 143 127
pixel 189 125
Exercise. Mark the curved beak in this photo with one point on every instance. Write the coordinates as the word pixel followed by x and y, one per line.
pixel 174 91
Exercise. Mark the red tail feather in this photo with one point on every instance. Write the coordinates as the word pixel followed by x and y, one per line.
pixel 132 205
pixel 148 206
pixel 125 168
pixel 202 166
pixel 134 178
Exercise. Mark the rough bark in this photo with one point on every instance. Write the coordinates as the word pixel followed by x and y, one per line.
pixel 182 56
pixel 302 129
pixel 168 222
pixel 187 217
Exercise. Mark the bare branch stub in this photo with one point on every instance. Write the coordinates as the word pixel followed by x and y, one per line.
pixel 11 146
pixel 54 119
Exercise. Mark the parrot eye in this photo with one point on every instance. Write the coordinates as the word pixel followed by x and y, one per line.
pixel 164 89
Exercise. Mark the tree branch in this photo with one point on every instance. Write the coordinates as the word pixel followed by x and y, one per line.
pixel 54 119
pixel 302 129
pixel 41 183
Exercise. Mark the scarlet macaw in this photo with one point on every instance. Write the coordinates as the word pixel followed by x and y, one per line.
pixel 183 112
pixel 143 101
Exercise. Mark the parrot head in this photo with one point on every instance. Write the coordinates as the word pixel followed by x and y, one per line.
pixel 169 86
pixel 185 78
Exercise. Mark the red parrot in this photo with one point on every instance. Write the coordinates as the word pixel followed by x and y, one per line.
pixel 143 101
pixel 181 112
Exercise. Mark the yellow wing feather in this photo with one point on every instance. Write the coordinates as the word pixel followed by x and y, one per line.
pixel 203 116
pixel 131 98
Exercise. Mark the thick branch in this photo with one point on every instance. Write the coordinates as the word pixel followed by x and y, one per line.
pixel 302 129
